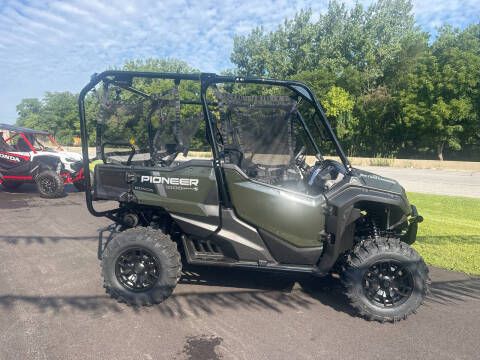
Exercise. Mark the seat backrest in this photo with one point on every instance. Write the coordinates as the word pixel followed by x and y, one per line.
pixel 22 145
pixel 3 144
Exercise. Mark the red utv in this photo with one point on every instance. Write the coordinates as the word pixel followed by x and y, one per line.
pixel 33 156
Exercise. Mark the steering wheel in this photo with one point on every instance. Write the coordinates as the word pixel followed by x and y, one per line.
pixel 234 150
pixel 300 158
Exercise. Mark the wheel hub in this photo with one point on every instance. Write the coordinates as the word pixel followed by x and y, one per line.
pixel 388 284
pixel 48 184
pixel 137 269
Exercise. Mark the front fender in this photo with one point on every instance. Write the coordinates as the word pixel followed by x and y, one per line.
pixel 411 234
pixel 45 162
pixel 343 214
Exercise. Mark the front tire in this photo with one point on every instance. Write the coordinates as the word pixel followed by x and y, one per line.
pixel 49 184
pixel 385 279
pixel 141 267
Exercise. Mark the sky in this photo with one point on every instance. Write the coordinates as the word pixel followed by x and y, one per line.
pixel 55 45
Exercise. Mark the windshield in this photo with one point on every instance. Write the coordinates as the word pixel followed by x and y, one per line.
pixel 43 142
pixel 25 142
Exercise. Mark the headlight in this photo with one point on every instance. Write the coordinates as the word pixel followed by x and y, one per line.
pixel 70 160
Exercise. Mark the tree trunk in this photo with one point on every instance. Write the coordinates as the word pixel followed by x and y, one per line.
pixel 440 151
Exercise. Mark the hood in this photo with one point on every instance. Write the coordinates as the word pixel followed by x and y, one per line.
pixel 378 182
pixel 67 158
pixel 70 155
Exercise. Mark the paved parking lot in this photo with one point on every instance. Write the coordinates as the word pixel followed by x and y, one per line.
pixel 52 305
pixel 432 181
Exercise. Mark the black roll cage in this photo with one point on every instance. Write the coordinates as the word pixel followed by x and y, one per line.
pixel 124 78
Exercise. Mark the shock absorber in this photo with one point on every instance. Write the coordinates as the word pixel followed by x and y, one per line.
pixel 374 228
pixel 367 227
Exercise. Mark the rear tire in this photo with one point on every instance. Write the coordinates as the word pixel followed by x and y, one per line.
pixel 49 184
pixel 141 267
pixel 385 279
pixel 80 185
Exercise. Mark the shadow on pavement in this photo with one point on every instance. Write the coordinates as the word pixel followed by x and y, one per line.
pixel 326 290
pixel 32 189
pixel 27 196
pixel 447 292
pixel 59 304
pixel 177 306
pixel 28 240
pixel 214 290
pixel 219 290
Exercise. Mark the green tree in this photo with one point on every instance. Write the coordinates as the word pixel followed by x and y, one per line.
pixel 385 86
pixel 127 118
pixel 282 53
pixel 160 65
pixel 29 111
pixel 362 50
pixel 56 112
pixel 60 112
pixel 338 105
pixel 439 101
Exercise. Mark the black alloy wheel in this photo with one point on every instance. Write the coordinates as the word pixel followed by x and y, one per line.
pixel 388 284
pixel 141 266
pixel 137 269
pixel 47 184
pixel 384 279
pixel 50 184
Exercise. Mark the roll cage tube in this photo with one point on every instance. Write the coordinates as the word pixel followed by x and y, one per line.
pixel 30 144
pixel 54 141
pixel 300 89
pixel 94 81
pixel 24 138
pixel 205 79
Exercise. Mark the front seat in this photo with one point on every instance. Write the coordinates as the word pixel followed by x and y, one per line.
pixel 22 145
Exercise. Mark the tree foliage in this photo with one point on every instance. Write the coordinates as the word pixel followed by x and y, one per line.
pixel 56 112
pixel 386 86
pixel 411 97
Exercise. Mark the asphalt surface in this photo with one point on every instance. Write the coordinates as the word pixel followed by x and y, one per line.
pixel 442 182
pixel 52 305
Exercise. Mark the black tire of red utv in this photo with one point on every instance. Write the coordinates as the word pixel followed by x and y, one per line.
pixel 160 245
pixel 80 185
pixel 11 185
pixel 58 189
pixel 371 251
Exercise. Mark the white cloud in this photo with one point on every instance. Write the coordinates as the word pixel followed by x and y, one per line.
pixel 458 13
pixel 56 45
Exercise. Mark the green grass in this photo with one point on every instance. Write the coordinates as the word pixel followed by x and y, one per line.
pixel 449 237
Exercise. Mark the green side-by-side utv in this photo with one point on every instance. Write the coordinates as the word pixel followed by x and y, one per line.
pixel 265 199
